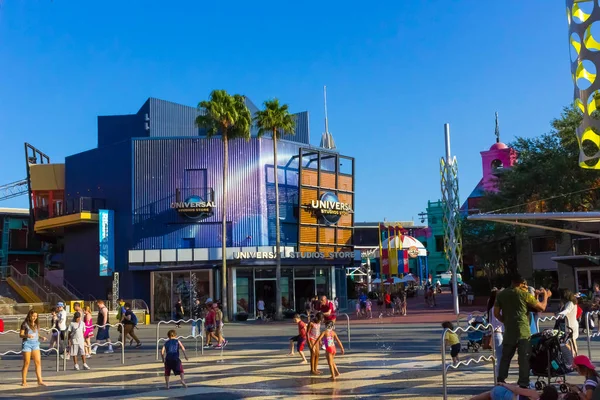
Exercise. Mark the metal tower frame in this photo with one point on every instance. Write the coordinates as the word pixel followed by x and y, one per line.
pixel 452 234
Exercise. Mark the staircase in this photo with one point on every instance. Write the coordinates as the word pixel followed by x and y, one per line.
pixel 65 292
pixel 29 289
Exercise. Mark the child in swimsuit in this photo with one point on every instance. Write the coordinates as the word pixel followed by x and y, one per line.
pixel 314 330
pixel 330 339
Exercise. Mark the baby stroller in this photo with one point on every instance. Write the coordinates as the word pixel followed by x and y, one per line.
pixel 475 338
pixel 550 358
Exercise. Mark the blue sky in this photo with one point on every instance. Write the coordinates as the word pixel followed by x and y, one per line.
pixel 395 71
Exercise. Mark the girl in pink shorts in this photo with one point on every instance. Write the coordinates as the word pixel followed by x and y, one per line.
pixel 88 332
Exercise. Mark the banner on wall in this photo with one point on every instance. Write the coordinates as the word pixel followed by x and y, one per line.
pixel 107 242
pixel 384 234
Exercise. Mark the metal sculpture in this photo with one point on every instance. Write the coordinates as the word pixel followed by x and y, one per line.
pixel 452 236
pixel 584 41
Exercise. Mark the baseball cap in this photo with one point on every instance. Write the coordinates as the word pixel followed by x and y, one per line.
pixel 583 361
pixel 60 304
pixel 209 300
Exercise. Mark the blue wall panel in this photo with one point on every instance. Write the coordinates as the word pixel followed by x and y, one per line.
pixel 118 128
pixel 103 173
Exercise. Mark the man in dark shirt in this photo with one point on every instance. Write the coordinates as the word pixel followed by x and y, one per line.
pixel 512 308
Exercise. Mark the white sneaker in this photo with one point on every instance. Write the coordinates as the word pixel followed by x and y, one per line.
pixel 76 367
pixel 93 351
pixel 109 351
pixel 85 366
pixel 88 356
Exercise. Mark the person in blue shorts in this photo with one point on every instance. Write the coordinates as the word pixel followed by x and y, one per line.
pixel 30 333
pixel 513 392
pixel 170 356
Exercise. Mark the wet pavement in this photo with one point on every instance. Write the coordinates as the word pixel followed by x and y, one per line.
pixel 387 359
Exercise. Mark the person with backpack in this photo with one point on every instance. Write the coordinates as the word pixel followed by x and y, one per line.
pixel 130 322
pixel 120 314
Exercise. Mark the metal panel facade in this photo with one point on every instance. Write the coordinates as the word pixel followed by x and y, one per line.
pixel 162 166
pixel 169 119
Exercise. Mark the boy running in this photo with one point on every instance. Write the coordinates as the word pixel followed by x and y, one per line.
pixel 452 340
pixel 170 357
pixel 300 339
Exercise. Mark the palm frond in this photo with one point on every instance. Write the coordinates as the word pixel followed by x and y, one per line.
pixel 275 118
pixel 224 114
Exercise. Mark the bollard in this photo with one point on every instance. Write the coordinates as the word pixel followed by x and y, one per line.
pixel 348 333
pixel 445 367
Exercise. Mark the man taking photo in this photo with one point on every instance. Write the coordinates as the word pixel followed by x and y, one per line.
pixel 512 308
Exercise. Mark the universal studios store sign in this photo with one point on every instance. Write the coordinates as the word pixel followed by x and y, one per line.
pixel 311 255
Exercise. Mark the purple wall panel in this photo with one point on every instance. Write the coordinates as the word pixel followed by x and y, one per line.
pixel 160 169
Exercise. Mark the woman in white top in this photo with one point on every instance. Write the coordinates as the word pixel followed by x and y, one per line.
pixel 570 313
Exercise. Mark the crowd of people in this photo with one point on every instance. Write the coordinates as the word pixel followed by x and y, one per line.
pixel 513 312
pixel 394 303
pixel 74 338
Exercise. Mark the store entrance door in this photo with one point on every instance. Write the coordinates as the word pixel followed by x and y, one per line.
pixel 304 289
pixel 265 290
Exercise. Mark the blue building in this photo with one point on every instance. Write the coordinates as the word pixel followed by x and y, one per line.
pixel 161 178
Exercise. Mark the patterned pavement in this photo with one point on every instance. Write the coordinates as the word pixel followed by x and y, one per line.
pixel 254 374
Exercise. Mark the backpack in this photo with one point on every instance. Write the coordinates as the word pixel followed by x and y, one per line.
pixel 134 319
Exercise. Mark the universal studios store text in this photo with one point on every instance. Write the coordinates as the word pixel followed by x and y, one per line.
pixel 316 255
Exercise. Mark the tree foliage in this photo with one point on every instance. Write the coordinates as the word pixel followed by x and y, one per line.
pixel 275 119
pixel 547 176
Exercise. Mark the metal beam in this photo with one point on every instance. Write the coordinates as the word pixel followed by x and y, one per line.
pixel 550 228
pixel 14 189
pixel 583 216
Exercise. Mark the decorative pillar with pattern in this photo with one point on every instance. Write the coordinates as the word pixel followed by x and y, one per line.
pixel 584 41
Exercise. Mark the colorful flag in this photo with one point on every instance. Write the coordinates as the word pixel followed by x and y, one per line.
pixel 383 253
pixel 393 254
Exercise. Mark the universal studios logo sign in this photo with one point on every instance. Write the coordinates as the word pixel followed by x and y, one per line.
pixel 194 207
pixel 330 208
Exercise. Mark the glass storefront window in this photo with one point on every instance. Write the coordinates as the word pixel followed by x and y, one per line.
pixel 244 283
pixel 162 296
pixel 323 282
pixel 304 272
pixel 200 281
pixel 264 273
pixel 182 290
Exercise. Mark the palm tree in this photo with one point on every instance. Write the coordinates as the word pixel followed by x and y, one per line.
pixel 275 120
pixel 229 117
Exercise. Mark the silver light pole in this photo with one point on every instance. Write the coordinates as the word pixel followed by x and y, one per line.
pixel 452 237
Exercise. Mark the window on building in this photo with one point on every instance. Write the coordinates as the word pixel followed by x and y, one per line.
pixel 587 246
pixel 497 164
pixel 17 239
pixel 439 243
pixel 543 244
pixel 189 243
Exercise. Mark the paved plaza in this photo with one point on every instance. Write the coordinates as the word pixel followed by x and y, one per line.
pixel 387 359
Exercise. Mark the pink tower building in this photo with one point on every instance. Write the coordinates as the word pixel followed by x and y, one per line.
pixel 498 158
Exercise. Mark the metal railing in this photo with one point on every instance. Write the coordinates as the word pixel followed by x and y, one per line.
pixel 445 368
pixel 27 281
pixel 56 350
pixel 588 332
pixel 178 322
pixel 108 342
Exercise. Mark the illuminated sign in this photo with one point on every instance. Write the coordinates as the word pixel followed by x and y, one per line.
pixel 107 242
pixel 330 208
pixel 194 207
pixel 413 252
pixel 316 255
